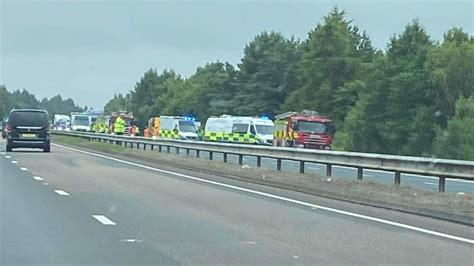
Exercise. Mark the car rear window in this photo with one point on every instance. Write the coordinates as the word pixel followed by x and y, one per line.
pixel 29 118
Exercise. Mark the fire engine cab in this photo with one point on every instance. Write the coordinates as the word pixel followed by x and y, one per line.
pixel 305 129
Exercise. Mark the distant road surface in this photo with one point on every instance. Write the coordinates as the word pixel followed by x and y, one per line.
pixel 71 207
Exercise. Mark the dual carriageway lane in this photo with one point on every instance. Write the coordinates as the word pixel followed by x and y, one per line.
pixel 116 212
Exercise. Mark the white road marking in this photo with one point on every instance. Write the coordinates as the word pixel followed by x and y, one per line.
pixel 44 183
pixel 14 162
pixel 61 192
pixel 295 256
pixel 435 178
pixel 298 202
pixel 103 220
pixel 7 157
pixel 23 169
pixel 131 240
pixel 410 175
pixel 251 242
pixel 37 178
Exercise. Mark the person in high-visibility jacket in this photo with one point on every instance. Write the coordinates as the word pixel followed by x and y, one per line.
pixel 93 127
pixel 101 128
pixel 146 132
pixel 119 126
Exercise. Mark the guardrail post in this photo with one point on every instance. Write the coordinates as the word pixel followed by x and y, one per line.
pixel 301 167
pixel 241 159
pixel 224 155
pixel 152 147
pixel 442 184
pixel 144 146
pixel 359 173
pixel 210 155
pixel 278 164
pixel 177 150
pixel 138 145
pixel 259 161
pixel 187 152
pixel 397 178
pixel 125 143
pixel 328 169
pixel 197 153
pixel 159 148
pixel 131 145
pixel 168 149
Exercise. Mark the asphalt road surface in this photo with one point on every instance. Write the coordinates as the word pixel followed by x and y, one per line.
pixel 73 207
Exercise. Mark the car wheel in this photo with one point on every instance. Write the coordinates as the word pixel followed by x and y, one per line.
pixel 47 149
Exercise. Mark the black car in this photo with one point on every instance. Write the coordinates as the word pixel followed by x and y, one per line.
pixel 28 128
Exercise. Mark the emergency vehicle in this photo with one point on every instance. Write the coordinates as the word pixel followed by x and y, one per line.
pixel 305 129
pixel 239 129
pixel 61 122
pixel 174 127
pixel 129 121
pixel 80 122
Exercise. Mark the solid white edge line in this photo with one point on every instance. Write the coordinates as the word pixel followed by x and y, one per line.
pixel 61 192
pixel 23 169
pixel 352 214
pixel 37 178
pixel 410 175
pixel 103 220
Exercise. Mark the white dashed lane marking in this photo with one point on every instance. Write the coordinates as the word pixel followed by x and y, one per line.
pixel 298 202
pixel 61 192
pixel 14 162
pixel 37 178
pixel 23 169
pixel 7 157
pixel 103 220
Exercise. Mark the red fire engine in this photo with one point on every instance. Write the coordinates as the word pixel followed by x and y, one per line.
pixel 305 129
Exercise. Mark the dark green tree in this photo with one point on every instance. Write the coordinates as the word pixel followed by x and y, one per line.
pixel 117 103
pixel 267 74
pixel 457 140
pixel 397 114
pixel 333 61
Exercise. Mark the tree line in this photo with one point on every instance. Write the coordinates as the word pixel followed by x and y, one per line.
pixel 413 98
pixel 24 99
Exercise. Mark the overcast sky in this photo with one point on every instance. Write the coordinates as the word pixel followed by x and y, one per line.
pixel 89 50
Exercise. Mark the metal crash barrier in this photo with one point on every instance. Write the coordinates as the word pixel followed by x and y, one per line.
pixel 441 168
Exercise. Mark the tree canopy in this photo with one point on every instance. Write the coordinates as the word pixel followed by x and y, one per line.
pixel 402 100
pixel 25 99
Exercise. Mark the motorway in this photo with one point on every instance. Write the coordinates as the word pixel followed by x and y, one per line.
pixel 77 207
pixel 428 183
